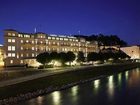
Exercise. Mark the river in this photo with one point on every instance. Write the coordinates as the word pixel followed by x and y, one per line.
pixel 118 89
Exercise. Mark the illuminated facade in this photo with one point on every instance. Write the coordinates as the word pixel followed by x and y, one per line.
pixel 1 56
pixel 22 48
pixel 132 51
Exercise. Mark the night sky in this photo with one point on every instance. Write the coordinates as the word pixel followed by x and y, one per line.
pixel 119 17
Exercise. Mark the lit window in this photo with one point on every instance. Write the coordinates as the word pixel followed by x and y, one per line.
pixel 13 55
pixel 27 55
pixel 61 38
pixel 13 34
pixel 13 48
pixel 32 48
pixel 9 54
pixel 9 33
pixel 21 41
pixel 9 40
pixel 20 35
pixel 41 42
pixel 21 55
pixel 32 42
pixel 21 61
pixel 57 38
pixel 27 36
pixel 13 40
pixel 33 54
pixel 70 39
pixel 9 48
pixel 49 37
pixel 21 48
pixel 11 61
pixel 53 37
pixel 65 39
pixel 27 41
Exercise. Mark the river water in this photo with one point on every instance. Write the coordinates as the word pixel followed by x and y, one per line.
pixel 118 89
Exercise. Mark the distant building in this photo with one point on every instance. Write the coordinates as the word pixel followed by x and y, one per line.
pixel 132 51
pixel 22 48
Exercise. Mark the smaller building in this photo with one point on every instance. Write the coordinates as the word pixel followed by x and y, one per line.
pixel 132 51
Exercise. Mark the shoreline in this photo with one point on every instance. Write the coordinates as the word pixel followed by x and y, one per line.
pixel 51 88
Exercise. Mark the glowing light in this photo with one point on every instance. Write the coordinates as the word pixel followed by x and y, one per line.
pixel 126 75
pixel 39 100
pixel 96 84
pixel 74 90
pixel 56 97
pixel 110 87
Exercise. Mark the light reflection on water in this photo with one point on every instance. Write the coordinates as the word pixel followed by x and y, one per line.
pixel 109 89
pixel 56 96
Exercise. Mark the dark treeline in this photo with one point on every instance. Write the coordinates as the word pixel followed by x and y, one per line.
pixel 106 40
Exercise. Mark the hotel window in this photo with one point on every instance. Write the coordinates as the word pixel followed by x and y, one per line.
pixel 21 61
pixel 13 34
pixel 11 61
pixel 13 40
pixel 27 55
pixel 21 48
pixel 53 37
pixel 33 48
pixel 27 41
pixel 9 40
pixel 41 42
pixel 57 38
pixel 9 54
pixel 27 36
pixel 33 54
pixel 61 38
pixel 9 33
pixel 32 42
pixel 65 39
pixel 21 55
pixel 13 48
pixel 70 39
pixel 21 41
pixel 13 54
pixel 53 42
pixel 9 48
pixel 49 37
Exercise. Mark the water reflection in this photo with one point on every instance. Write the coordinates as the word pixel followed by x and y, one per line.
pixel 56 96
pixel 96 84
pixel 40 100
pixel 126 75
pixel 74 94
pixel 110 87
pixel 74 90
pixel 120 78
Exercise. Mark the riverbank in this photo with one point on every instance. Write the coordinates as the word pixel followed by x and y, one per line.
pixel 34 88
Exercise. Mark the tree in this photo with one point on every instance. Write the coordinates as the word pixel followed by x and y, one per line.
pixel 70 56
pixel 43 58
pixel 53 55
pixel 62 57
pixel 80 57
pixel 93 56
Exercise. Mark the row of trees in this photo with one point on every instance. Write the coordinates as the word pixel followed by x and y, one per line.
pixel 63 57
pixel 106 40
pixel 93 56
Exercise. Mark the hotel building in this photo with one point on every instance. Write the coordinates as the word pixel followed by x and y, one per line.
pixel 22 48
